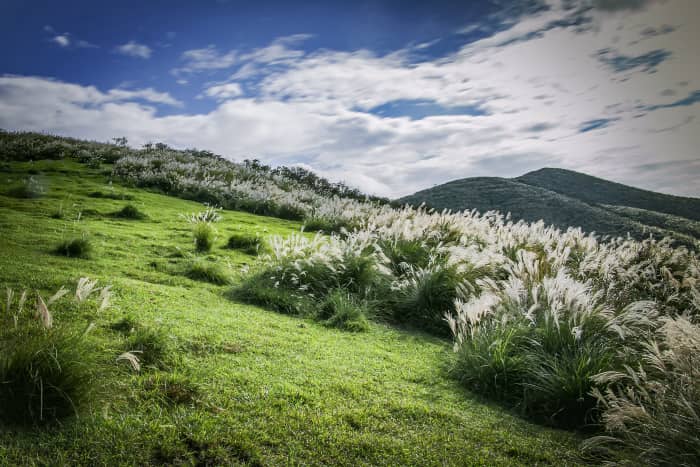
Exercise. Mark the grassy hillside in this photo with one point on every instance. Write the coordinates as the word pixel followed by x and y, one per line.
pixel 234 384
pixel 595 190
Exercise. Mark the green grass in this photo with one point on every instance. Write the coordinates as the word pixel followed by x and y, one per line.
pixel 248 386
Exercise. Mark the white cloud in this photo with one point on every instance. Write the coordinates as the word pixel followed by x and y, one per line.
pixel 224 91
pixel 134 49
pixel 538 81
pixel 62 40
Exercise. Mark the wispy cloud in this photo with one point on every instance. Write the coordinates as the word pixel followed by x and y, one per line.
pixel 134 49
pixel 66 39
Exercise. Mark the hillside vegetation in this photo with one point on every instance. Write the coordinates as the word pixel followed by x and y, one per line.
pixel 594 190
pixel 569 199
pixel 170 357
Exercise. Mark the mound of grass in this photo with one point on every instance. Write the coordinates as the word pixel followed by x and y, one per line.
pixel 111 195
pixel 206 271
pixel 250 244
pixel 129 212
pixel 203 234
pixel 259 290
pixel 152 347
pixel 77 247
pixel 341 310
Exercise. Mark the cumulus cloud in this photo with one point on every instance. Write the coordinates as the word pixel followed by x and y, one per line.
pixel 134 49
pixel 546 96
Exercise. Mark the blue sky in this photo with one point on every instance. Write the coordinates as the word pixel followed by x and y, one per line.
pixel 388 96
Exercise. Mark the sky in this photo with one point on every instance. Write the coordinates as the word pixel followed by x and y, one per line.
pixel 388 96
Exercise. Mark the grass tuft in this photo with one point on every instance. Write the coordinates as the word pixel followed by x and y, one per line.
pixel 129 212
pixel 250 244
pixel 206 271
pixel 77 247
pixel 203 234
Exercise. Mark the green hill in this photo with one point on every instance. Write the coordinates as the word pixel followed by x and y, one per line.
pixel 233 384
pixel 568 199
pixel 595 190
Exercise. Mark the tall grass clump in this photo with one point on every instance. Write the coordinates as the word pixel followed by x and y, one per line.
pixel 341 310
pixel 652 409
pixel 203 234
pixel 76 247
pixel 425 295
pixel 47 371
pixel 151 346
pixel 537 341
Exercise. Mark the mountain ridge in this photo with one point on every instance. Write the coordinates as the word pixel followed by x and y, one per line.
pixel 565 198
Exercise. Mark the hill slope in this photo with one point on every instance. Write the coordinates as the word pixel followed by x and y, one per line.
pixel 594 190
pixel 266 389
pixel 579 203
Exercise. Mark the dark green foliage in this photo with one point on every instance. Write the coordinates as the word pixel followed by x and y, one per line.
pixel 203 234
pixel 425 300
pixel 129 212
pixel 152 346
pixel 251 244
pixel 206 271
pixel 341 310
pixel 77 247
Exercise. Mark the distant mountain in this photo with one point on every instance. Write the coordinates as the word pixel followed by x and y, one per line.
pixel 570 199
pixel 594 190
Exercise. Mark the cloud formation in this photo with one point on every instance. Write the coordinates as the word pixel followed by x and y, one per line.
pixel 563 84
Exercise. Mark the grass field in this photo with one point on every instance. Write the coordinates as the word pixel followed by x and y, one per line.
pixel 242 385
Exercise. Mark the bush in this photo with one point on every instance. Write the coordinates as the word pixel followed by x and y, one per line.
pixel 77 247
pixel 251 244
pixel 31 188
pixel 151 346
pixel 129 212
pixel 205 271
pixel 203 234
pixel 341 310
